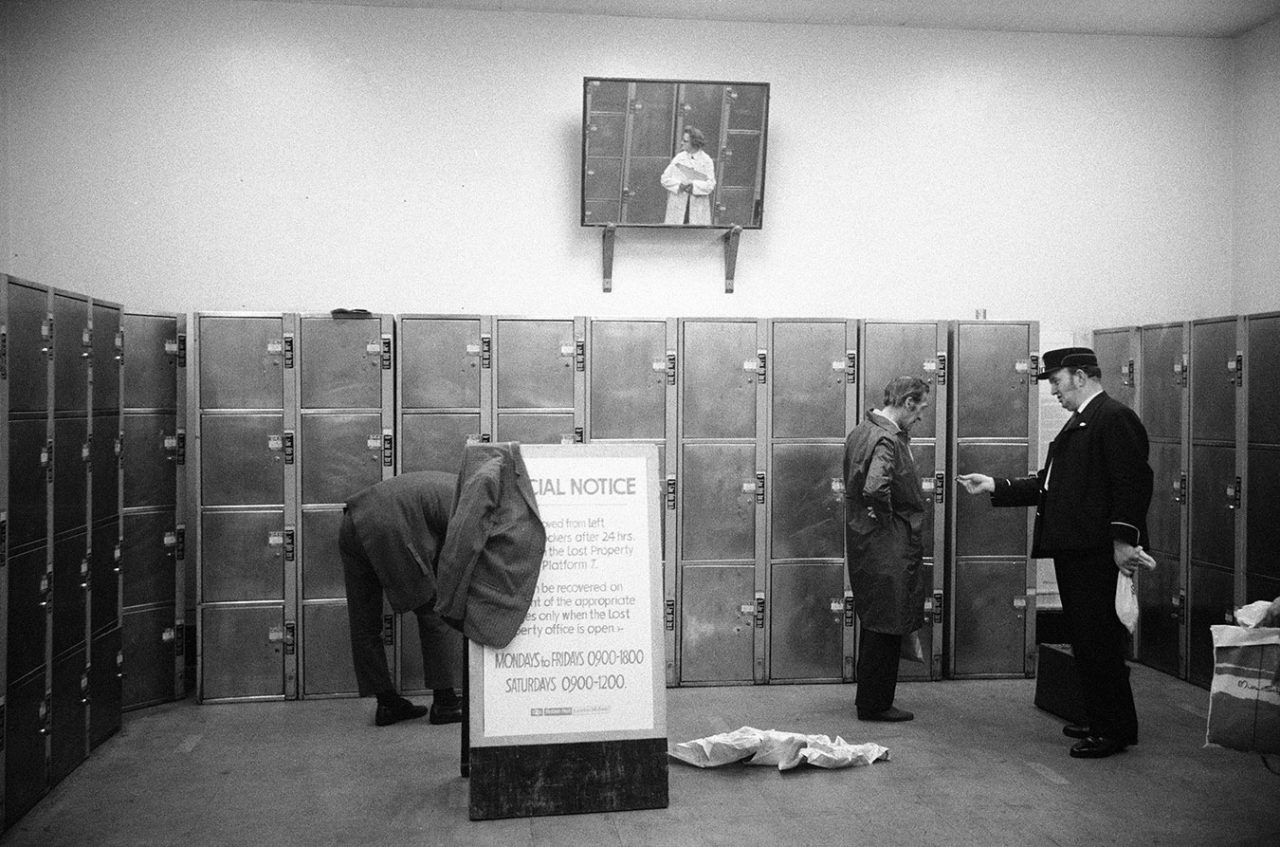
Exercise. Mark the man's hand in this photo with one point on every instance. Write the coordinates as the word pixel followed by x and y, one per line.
pixel 1126 557
pixel 976 483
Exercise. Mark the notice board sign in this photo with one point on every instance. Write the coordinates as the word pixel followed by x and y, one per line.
pixel 570 716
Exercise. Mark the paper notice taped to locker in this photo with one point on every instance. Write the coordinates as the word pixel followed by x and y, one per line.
pixel 786 750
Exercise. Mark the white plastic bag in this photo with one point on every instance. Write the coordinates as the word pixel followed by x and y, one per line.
pixel 1126 601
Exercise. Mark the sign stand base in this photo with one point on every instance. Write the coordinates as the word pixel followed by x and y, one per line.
pixel 568 779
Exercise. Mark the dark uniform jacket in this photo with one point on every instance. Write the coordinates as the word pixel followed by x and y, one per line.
pixel 1099 483
pixel 884 517
pixel 401 524
pixel 493 554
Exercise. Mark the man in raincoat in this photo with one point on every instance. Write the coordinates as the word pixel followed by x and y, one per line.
pixel 884 516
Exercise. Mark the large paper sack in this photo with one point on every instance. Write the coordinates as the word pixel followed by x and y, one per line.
pixel 1244 699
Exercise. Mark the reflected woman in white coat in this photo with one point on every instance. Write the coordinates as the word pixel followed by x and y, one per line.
pixel 689 180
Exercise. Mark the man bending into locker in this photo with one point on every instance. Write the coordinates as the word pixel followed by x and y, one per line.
pixel 390 541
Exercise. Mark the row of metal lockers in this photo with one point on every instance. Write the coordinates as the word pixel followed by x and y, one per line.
pixel 1207 392
pixel 293 413
pixel 73 611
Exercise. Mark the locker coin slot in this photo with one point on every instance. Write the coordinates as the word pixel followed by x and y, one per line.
pixel 180 552
pixel 669 615
pixel 759 611
pixel 486 351
pixel 290 546
pixel 388 630
pixel 1235 370
pixel 671 367
pixel 288 350
pixel 762 366
pixel 388 448
pixel 937 607
pixel 182 351
pixel 1233 495
pixel 942 368
pixel 759 488
pixel 671 491
pixel 850 366
pixel 580 354
pixel 290 637
pixel 288 447
pixel 939 488
pixel 386 352
pixel 849 615
pixel 4 352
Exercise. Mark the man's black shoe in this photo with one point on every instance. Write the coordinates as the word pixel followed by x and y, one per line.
pixel 401 710
pixel 892 714
pixel 446 714
pixel 1096 747
pixel 1075 730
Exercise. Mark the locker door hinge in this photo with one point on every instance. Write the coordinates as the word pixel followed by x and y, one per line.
pixel 388 630
pixel 182 349
pixel 671 491
pixel 180 539
pixel 387 351
pixel 486 351
pixel 762 366
pixel 669 615
pixel 287 443
pixel 290 637
pixel 580 354
pixel 388 448
pixel 290 544
pixel 760 487
pixel 937 607
pixel 849 613
pixel 851 367
pixel 287 350
pixel 4 352
pixel 671 367
pixel 759 616
pixel 1233 495
pixel 1235 370
pixel 939 488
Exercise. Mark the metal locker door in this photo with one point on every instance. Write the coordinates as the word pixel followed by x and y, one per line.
pixel 807 515
pixel 1214 493
pixel 70 473
pixel 719 493
pixel 927 460
pixel 806 611
pixel 905 349
pixel 993 380
pixel 105 692
pixel 326 650
pixel 242 361
pixel 107 353
pixel 242 459
pixel 1160 613
pixel 150 468
pixel 146 559
pixel 811 379
pixel 29 587
pixel 536 429
pixel 717 630
pixel 342 453
pixel 341 362
pixel 1211 595
pixel 149 643
pixel 1118 358
pixel 26 730
pixel 651 142
pixel 150 372
pixel 104 573
pixel 322 575
pixel 1163 381
pixel 605 142
pixel 989 598
pixel 534 364
pixel 444 372
pixel 70 592
pixel 1262 529
pixel 245 556
pixel 1214 372
pixel 980 528
pixel 71 347
pixel 434 441
pixel 105 447
pixel 29 329
pixel 1263 357
pixel 243 650
pixel 722 367
pixel 742 156
pixel 627 380
pixel 1168 499
pixel 68 744
pixel 30 453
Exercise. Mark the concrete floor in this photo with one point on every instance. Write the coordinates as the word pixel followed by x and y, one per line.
pixel 980 765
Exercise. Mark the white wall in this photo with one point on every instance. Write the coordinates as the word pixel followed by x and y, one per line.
pixel 1257 172
pixel 221 155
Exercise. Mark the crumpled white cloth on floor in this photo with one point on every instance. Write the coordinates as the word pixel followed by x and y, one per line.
pixel 786 750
